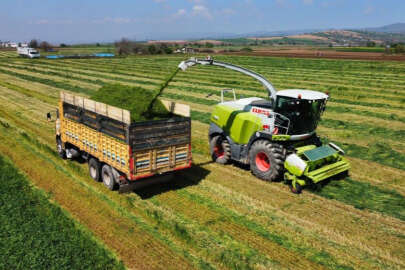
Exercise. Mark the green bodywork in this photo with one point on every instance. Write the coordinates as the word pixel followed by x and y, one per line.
pixel 321 163
pixel 240 125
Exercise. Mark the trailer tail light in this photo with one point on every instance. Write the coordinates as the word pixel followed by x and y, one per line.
pixel 266 127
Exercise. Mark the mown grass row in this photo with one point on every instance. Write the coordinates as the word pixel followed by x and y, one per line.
pixel 224 250
pixel 341 101
pixel 76 173
pixel 279 80
pixel 354 82
pixel 228 258
pixel 39 235
pixel 44 98
pixel 53 83
pixel 222 247
pixel 275 77
pixel 69 75
pixel 395 159
pixel 262 93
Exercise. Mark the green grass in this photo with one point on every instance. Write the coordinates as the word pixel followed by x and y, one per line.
pixel 135 99
pixel 37 234
pixel 366 196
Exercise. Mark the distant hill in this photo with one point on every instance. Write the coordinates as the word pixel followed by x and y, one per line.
pixel 391 28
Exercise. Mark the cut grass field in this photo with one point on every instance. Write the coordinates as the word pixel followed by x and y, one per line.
pixel 221 217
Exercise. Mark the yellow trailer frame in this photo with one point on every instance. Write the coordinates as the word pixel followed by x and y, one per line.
pixel 117 152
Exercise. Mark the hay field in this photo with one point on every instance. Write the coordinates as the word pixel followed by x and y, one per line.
pixel 222 217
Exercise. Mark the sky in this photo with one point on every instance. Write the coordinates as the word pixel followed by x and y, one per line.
pixel 79 21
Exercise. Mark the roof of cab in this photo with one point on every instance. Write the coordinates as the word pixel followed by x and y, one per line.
pixel 305 94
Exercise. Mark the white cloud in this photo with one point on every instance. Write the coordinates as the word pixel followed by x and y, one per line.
pixel 203 11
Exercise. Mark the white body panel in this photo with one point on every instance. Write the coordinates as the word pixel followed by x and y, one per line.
pixel 305 94
pixel 28 52
pixel 297 162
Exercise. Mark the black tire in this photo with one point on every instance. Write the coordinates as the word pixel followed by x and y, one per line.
pixel 59 148
pixel 220 149
pixel 108 177
pixel 266 160
pixel 94 169
pixel 297 189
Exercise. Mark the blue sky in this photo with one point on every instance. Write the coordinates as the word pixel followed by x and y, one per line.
pixel 103 20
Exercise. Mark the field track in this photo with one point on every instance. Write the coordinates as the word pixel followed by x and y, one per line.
pixel 221 217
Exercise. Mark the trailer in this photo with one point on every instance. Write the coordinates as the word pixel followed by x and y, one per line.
pixel 28 52
pixel 122 153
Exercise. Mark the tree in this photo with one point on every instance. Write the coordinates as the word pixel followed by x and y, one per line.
pixel 209 45
pixel 370 43
pixel 124 46
pixel 33 43
pixel 152 49
pixel 63 45
pixel 399 48
pixel 46 46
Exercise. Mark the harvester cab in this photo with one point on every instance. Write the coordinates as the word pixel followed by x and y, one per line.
pixel 275 135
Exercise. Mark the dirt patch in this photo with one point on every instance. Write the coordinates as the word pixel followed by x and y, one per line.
pixel 305 53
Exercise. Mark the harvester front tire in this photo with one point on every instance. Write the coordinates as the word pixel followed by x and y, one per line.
pixel 108 177
pixel 220 149
pixel 266 160
pixel 94 169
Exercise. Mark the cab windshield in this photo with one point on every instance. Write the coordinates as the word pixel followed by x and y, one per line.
pixel 303 114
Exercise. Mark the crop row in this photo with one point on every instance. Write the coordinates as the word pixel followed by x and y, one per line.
pixel 246 243
pixel 97 81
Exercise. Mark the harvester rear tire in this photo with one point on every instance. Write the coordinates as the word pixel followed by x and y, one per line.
pixel 108 177
pixel 266 160
pixel 220 149
pixel 94 169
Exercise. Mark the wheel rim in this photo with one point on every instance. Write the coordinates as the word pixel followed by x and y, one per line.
pixel 107 179
pixel 219 151
pixel 93 172
pixel 262 162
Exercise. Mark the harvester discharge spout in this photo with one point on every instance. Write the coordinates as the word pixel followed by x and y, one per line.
pixel 194 61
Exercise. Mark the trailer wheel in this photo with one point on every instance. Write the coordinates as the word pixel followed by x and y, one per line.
pixel 59 148
pixel 266 160
pixel 108 177
pixel 220 149
pixel 94 169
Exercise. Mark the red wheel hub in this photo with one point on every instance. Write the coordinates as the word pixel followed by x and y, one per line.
pixel 262 162
pixel 218 151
